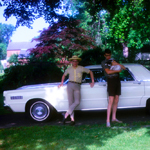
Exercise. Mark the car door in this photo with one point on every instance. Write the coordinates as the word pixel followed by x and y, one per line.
pixel 96 97
pixel 131 90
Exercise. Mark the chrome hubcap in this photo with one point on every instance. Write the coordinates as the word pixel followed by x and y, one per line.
pixel 39 111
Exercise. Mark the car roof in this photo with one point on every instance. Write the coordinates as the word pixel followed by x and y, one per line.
pixel 125 64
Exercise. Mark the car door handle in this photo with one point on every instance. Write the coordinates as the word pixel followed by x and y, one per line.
pixel 136 82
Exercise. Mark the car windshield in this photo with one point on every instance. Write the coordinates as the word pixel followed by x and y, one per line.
pixel 125 75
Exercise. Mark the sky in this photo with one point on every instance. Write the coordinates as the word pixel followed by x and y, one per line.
pixel 23 33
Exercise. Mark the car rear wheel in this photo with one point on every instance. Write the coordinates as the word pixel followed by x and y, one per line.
pixel 40 111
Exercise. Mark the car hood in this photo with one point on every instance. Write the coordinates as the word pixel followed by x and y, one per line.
pixel 36 86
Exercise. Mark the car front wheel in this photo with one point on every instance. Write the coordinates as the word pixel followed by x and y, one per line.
pixel 40 111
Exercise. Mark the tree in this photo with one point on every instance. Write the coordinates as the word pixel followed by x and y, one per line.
pixel 128 21
pixel 126 24
pixel 13 59
pixel 2 51
pixel 62 40
pixel 118 25
pixel 130 26
pixel 6 32
pixel 26 11
pixel 98 28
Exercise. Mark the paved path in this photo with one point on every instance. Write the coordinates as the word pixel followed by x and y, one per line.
pixel 82 118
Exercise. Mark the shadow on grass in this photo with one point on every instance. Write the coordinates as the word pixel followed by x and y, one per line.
pixel 83 137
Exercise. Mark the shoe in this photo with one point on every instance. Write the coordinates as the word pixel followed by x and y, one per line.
pixel 64 119
pixel 72 123
pixel 117 121
pixel 108 124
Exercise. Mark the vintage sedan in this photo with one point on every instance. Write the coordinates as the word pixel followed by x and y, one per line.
pixel 42 100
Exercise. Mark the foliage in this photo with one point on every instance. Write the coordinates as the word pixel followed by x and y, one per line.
pixel 26 11
pixel 3 48
pixel 62 40
pixel 92 57
pixel 1 66
pixel 91 137
pixel 13 59
pixel 2 109
pixel 118 25
pixel 96 28
pixel 32 73
pixel 131 24
pixel 6 32
pixel 128 21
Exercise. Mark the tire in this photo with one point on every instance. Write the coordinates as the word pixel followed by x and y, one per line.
pixel 40 111
pixel 148 107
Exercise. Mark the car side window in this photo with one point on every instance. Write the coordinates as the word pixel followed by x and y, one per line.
pixel 98 76
pixel 126 75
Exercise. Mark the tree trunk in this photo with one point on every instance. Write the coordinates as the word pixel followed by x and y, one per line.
pixel 125 50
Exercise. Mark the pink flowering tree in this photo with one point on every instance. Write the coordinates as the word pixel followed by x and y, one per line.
pixel 62 40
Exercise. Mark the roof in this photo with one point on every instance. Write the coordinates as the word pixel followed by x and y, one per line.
pixel 24 53
pixel 21 45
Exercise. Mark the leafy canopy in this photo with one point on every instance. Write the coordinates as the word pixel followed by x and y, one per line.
pixel 26 11
pixel 62 40
pixel 6 32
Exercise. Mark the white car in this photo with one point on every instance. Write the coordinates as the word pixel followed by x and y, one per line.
pixel 41 100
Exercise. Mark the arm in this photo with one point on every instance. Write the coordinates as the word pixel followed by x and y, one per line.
pixel 115 63
pixel 92 78
pixel 122 67
pixel 62 81
pixel 108 71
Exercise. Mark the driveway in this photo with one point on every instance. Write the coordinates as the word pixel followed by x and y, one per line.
pixel 82 118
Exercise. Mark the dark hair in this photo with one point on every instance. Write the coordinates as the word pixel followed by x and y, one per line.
pixel 108 51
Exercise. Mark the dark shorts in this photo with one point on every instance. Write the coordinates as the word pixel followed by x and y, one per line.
pixel 114 86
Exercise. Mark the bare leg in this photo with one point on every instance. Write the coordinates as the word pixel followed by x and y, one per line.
pixel 109 107
pixel 72 118
pixel 114 108
pixel 66 114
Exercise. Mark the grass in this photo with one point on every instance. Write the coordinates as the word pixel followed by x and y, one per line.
pixel 135 136
pixel 85 137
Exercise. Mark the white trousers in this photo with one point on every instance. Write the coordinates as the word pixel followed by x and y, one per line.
pixel 74 96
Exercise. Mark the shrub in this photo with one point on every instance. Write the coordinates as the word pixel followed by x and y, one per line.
pixel 32 73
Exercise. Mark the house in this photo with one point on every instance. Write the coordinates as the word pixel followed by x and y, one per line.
pixel 19 48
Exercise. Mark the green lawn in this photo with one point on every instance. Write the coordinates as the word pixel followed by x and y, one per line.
pixel 85 137
pixel 135 136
